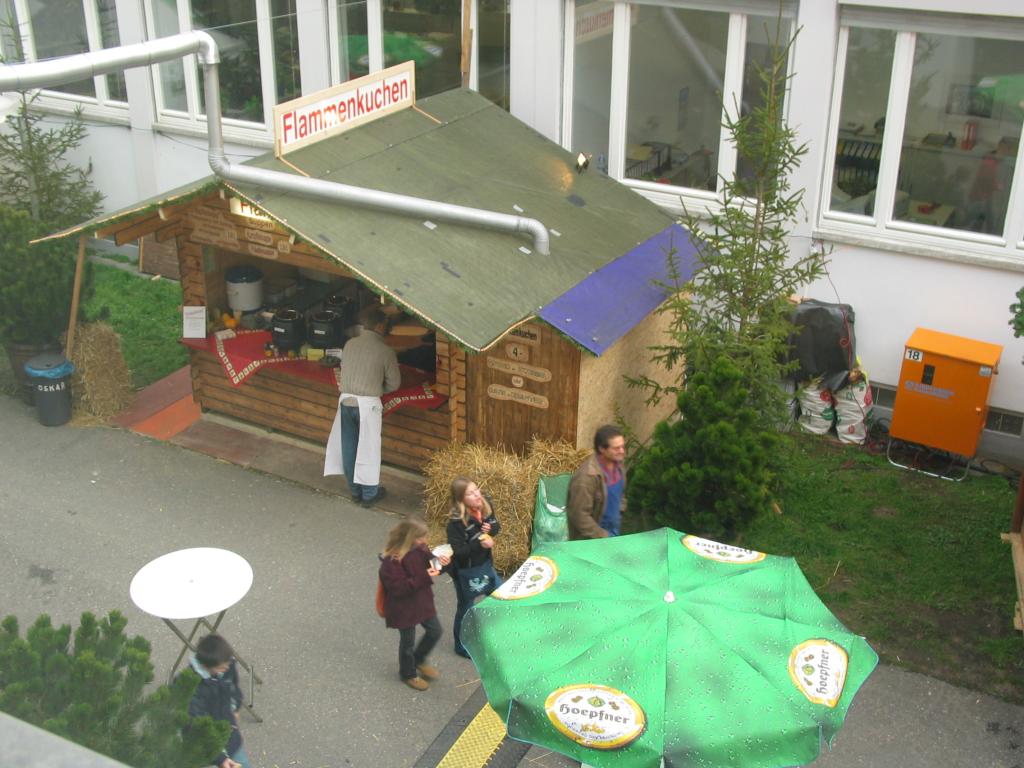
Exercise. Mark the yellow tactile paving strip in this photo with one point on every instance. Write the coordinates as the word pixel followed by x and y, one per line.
pixel 477 743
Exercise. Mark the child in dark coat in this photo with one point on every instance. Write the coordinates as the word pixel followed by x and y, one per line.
pixel 407 575
pixel 219 696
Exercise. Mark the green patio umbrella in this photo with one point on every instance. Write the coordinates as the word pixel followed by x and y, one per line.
pixel 623 651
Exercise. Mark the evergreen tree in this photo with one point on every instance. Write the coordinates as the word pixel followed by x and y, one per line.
pixel 94 693
pixel 710 468
pixel 737 304
pixel 38 177
pixel 709 472
pixel 35 282
pixel 53 194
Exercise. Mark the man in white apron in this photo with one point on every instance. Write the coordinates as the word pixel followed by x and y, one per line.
pixel 369 369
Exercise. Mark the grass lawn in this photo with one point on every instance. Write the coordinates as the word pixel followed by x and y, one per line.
pixel 913 563
pixel 146 314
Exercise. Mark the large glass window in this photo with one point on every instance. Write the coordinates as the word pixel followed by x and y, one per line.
pixel 858 150
pixel 111 38
pixel 429 33
pixel 172 74
pixel 767 37
pixel 243 29
pixel 668 93
pixel 286 50
pixel 233 26
pixel 58 29
pixel 52 28
pixel 956 103
pixel 591 78
pixel 676 76
pixel 352 42
pixel 962 129
pixel 493 32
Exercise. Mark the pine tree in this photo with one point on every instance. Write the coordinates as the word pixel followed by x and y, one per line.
pixel 94 693
pixel 53 194
pixel 737 304
pixel 709 472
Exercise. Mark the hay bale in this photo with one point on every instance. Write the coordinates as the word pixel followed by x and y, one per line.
pixel 101 385
pixel 510 480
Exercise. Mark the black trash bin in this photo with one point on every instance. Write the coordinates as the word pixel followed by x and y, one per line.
pixel 50 375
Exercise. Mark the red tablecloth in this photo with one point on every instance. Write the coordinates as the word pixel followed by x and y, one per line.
pixel 243 356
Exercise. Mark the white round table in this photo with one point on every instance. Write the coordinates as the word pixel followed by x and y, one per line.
pixel 193 584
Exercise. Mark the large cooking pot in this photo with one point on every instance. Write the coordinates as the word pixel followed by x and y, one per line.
pixel 288 329
pixel 347 308
pixel 325 330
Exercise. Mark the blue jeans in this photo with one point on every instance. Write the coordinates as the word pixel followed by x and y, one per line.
pixel 349 445
pixel 242 757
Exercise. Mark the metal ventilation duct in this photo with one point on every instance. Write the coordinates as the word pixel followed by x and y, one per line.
pixel 41 74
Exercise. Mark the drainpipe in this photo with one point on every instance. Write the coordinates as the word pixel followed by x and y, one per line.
pixel 41 74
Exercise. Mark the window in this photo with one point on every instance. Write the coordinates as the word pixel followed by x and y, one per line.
pixel 592 78
pixel 368 35
pixel 493 28
pixel 350 31
pixel 926 140
pixel 648 82
pixel 259 50
pixel 50 29
pixel 428 32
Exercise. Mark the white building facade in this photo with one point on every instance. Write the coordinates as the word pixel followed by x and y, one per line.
pixel 912 111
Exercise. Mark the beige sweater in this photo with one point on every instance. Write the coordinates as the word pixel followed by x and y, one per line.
pixel 369 366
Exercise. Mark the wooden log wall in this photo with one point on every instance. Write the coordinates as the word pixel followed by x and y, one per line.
pixel 305 408
pixel 208 235
pixel 526 385
pixel 451 381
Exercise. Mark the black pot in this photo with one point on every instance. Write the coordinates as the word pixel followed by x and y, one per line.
pixel 325 330
pixel 288 330
pixel 347 309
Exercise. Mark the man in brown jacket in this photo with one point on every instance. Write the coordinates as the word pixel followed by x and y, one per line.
pixel 598 487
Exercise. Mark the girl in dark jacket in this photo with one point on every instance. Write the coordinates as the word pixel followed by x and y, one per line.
pixel 472 527
pixel 407 576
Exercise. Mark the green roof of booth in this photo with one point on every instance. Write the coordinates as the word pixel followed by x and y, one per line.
pixel 472 283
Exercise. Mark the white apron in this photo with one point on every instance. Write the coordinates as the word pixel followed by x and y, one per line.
pixel 368 449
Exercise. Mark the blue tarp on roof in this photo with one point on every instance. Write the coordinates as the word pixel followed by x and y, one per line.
pixel 611 301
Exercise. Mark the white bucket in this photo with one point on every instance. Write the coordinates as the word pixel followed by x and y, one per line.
pixel 244 288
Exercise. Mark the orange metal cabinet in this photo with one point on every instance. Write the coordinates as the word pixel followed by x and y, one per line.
pixel 942 400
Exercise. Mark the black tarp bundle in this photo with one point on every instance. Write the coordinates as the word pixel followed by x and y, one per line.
pixel 825 344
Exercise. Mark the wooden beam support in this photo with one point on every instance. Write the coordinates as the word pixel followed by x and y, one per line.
pixel 76 292
pixel 139 229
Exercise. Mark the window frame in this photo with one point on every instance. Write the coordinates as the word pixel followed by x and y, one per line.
pixel 375 40
pixel 882 228
pixel 192 120
pixel 100 106
pixel 679 200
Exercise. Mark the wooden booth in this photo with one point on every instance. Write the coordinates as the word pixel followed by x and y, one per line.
pixel 510 344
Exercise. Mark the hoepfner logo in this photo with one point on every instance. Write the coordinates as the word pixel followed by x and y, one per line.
pixel 534 576
pixel 595 716
pixel 722 553
pixel 818 668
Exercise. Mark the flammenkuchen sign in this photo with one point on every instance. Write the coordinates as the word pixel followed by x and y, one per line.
pixel 307 120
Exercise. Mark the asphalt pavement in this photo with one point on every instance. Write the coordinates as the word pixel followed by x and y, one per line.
pixel 82 509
